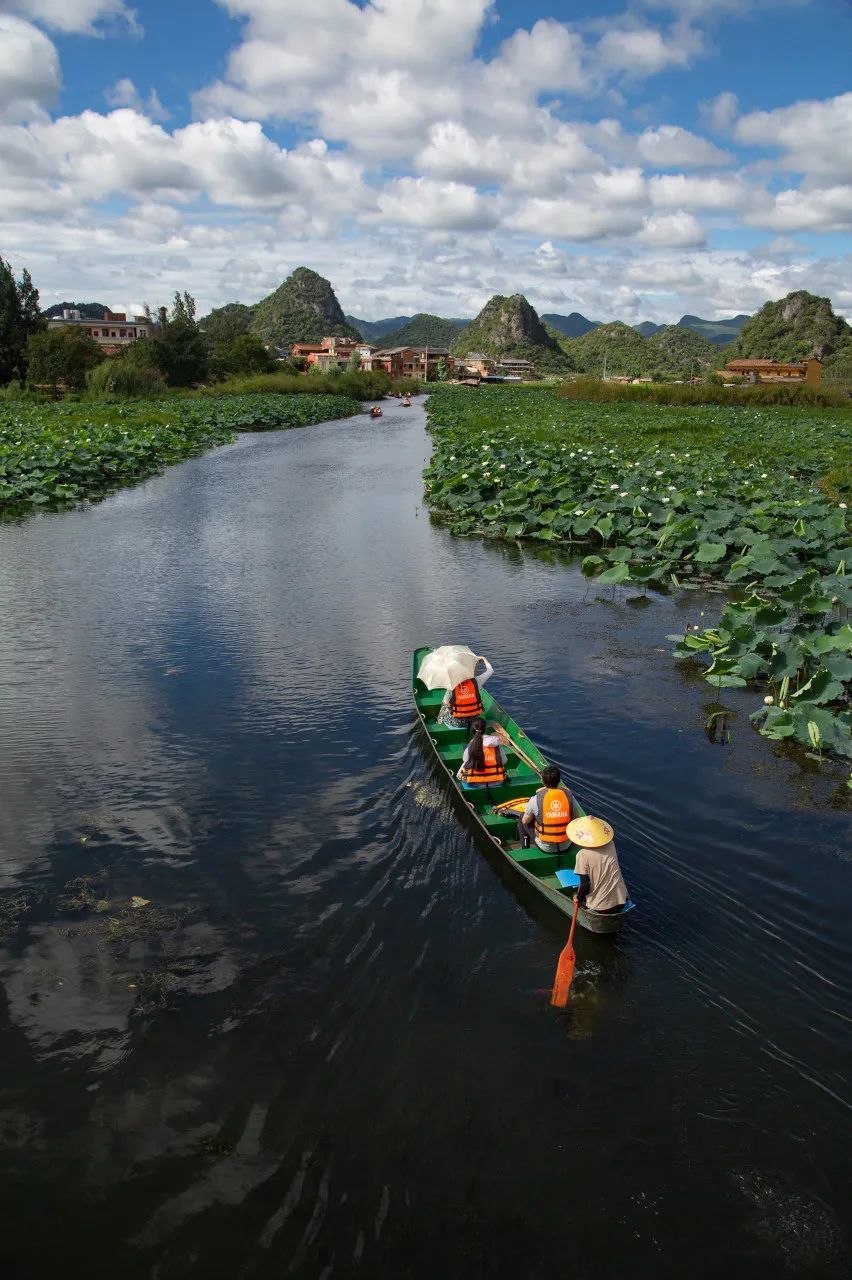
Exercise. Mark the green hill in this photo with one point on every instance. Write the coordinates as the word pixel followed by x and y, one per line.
pixel 425 330
pixel 511 327
pixel 794 328
pixel 88 310
pixel 616 349
pixel 224 324
pixel 681 353
pixel 302 309
pixel 570 326
pixel 372 330
pixel 719 331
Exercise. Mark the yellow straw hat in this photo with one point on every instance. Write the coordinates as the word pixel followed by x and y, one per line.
pixel 590 833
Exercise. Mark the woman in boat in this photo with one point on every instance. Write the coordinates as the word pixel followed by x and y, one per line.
pixel 463 704
pixel 484 760
pixel 602 886
pixel 548 814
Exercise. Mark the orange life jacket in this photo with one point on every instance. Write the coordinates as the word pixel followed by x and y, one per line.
pixel 492 771
pixel 555 815
pixel 465 701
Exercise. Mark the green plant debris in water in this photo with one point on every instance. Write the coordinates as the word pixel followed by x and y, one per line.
pixel 53 456
pixel 752 498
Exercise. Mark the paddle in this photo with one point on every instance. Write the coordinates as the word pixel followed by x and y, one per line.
pixel 565 966
pixel 510 742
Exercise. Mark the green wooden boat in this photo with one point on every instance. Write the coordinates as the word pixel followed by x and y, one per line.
pixel 539 869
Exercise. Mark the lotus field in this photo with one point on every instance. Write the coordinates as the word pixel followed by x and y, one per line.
pixel 755 498
pixel 54 455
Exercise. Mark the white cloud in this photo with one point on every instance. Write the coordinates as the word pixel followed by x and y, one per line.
pixel 678 230
pixel 677 190
pixel 420 202
pixel 125 94
pixel 639 51
pixel 813 137
pixel 548 57
pixel 80 16
pixel 824 209
pixel 670 145
pixel 29 70
pixel 720 112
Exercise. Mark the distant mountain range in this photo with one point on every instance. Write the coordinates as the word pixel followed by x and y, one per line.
pixel 304 308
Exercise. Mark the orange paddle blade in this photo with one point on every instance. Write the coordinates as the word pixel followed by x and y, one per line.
pixel 564 976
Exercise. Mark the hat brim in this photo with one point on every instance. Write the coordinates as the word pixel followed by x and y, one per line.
pixel 585 837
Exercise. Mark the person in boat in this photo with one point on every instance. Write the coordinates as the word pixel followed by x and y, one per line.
pixel 484 760
pixel 602 886
pixel 375 412
pixel 463 704
pixel 547 814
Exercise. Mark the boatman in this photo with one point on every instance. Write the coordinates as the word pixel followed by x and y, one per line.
pixel 547 814
pixel 463 704
pixel 602 886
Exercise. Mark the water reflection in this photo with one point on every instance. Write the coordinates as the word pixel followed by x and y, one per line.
pixel 324 1045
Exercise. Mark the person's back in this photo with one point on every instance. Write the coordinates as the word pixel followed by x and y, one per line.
pixel 484 760
pixel 602 886
pixel 548 813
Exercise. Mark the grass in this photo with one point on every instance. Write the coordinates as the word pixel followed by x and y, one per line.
pixel 796 395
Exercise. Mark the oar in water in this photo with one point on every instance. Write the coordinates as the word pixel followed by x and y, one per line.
pixel 565 966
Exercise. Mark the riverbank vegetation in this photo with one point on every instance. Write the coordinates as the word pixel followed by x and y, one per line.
pixel 800 394
pixel 680 497
pixel 52 456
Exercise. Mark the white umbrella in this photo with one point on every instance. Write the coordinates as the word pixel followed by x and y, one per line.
pixel 447 666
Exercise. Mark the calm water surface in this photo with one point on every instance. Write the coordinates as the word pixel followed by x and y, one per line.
pixel 325 1048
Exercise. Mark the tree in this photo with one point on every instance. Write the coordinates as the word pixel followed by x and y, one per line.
pixel 245 355
pixel 20 317
pixel 353 364
pixel 443 369
pixel 182 347
pixel 61 358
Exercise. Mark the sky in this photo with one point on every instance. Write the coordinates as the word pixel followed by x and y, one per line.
pixel 628 159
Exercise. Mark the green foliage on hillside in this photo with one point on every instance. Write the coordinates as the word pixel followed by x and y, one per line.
pixel 88 310
pixel 618 346
pixel 794 328
pixel 570 326
pixel 224 324
pixel 511 327
pixel 20 319
pixel 302 309
pixel 425 330
pixel 680 352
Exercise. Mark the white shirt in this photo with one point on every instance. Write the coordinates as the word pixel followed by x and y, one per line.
pixel 488 740
pixel 481 679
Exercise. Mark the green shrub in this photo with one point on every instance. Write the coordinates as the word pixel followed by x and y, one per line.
pixel 797 394
pixel 358 386
pixel 122 378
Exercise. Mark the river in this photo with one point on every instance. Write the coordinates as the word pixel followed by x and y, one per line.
pixel 325 1047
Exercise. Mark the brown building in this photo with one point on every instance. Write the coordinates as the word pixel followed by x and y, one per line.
pixel 412 362
pixel 333 353
pixel 809 371
pixel 112 333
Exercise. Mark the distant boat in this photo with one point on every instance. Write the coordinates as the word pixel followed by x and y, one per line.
pixel 375 412
pixel 406 404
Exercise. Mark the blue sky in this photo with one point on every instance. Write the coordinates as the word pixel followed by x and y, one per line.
pixel 630 160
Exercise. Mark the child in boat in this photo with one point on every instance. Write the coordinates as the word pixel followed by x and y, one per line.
pixel 462 705
pixel 484 760
pixel 602 886
pixel 547 814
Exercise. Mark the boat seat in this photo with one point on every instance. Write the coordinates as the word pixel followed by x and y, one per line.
pixel 532 859
pixel 444 734
pixel 498 825
pixel 430 701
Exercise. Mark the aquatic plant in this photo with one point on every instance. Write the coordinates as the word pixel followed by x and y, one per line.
pixel 752 498
pixel 54 455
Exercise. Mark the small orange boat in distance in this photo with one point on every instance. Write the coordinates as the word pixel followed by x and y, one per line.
pixel 375 412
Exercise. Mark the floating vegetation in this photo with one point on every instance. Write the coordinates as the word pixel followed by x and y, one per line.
pixel 754 499
pixel 53 456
